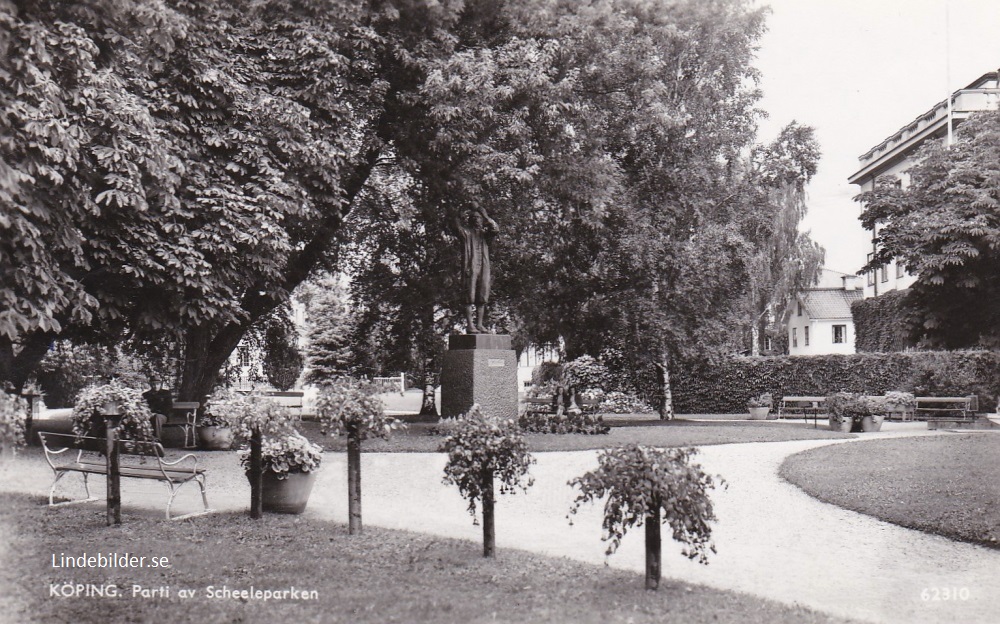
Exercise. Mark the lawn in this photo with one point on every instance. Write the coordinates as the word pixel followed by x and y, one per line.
pixel 945 484
pixel 420 438
pixel 380 576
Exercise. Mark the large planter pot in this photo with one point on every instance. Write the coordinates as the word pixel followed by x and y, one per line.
pixel 844 426
pixel 759 413
pixel 215 438
pixel 870 424
pixel 288 495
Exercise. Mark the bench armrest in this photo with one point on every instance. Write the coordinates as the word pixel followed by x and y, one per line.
pixel 172 464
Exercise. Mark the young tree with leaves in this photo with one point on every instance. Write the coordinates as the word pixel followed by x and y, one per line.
pixel 348 407
pixel 639 484
pixel 482 450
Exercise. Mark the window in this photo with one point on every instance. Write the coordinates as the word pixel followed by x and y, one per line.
pixel 805 335
pixel 885 272
pixel 900 271
pixel 799 304
pixel 795 336
pixel 871 274
pixel 839 334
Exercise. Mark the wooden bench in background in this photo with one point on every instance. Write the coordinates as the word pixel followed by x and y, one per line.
pixel 961 408
pixel 803 406
pixel 89 459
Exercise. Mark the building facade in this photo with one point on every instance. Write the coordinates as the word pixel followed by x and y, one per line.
pixel 893 157
pixel 819 319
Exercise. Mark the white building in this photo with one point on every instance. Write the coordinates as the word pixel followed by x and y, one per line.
pixel 895 155
pixel 819 319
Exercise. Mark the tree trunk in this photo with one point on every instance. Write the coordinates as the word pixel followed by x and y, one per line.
pixel 653 551
pixel 755 339
pixel 489 530
pixel 17 368
pixel 666 398
pixel 353 483
pixel 256 476
pixel 427 407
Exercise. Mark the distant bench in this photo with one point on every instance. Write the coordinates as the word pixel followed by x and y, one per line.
pixel 962 407
pixel 90 460
pixel 556 404
pixel 803 406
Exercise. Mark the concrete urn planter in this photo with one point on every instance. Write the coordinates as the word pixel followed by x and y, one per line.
pixel 870 424
pixel 288 495
pixel 215 438
pixel 759 413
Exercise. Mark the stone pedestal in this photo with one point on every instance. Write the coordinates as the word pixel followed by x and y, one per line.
pixel 479 368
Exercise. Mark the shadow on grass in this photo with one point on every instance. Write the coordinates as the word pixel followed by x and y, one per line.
pixel 315 572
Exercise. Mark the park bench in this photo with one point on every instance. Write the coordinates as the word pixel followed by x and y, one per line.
pixel 803 406
pixel 90 459
pixel 964 408
pixel 556 404
pixel 182 416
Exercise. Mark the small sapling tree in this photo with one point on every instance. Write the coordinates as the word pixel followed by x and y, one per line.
pixel 481 449
pixel 640 482
pixel 254 418
pixel 349 407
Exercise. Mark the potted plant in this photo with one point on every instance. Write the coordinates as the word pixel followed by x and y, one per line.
pixel 760 406
pixel 214 432
pixel 850 411
pixel 902 403
pixel 96 401
pixel 278 464
pixel 13 411
pixel 289 463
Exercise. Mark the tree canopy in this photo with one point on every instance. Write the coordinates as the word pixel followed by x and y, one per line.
pixel 944 227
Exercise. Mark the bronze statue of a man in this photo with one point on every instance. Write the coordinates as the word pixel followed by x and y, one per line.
pixel 476 231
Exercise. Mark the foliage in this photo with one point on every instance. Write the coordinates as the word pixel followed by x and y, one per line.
pixel 623 403
pixel 353 408
pixel 290 453
pixel 764 400
pixel 637 480
pixel 546 373
pixel 250 413
pixel 282 360
pixel 88 411
pixel 13 411
pixel 725 386
pixel 567 422
pixel 900 401
pixel 480 445
pixel 842 406
pixel 883 323
pixel 329 328
pixel 68 368
pixel 944 228
pixel 211 419
pixel 586 372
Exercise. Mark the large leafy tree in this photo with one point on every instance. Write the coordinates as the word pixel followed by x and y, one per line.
pixel 945 228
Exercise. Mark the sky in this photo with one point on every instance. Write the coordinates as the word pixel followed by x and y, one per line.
pixel 857 71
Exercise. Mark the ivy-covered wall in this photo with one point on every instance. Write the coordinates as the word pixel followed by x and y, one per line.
pixel 725 387
pixel 881 324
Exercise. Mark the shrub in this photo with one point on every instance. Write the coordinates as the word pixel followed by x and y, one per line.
pixel 288 454
pixel 136 421
pixel 623 403
pixel 853 406
pixel 724 387
pixel 586 373
pixel 13 411
pixel 641 482
pixel 883 323
pixel 481 449
pixel 282 360
pixel 567 422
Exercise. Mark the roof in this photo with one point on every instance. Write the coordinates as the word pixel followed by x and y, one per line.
pixel 830 303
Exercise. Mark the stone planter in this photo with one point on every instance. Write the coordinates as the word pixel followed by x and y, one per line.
pixel 215 438
pixel 871 424
pixel 844 426
pixel 759 413
pixel 286 495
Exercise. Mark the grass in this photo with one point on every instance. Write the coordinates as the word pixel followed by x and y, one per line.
pixel 419 438
pixel 946 485
pixel 379 576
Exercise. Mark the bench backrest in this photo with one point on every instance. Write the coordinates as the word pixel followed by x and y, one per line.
pixel 142 448
pixel 803 399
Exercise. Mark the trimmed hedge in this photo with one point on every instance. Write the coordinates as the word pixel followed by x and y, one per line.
pixel 883 324
pixel 726 386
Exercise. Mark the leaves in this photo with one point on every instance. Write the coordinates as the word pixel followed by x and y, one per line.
pixel 637 480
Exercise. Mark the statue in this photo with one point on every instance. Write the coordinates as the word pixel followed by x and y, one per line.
pixel 476 230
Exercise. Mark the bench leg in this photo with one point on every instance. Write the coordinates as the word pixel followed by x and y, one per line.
pixel 173 492
pixel 86 486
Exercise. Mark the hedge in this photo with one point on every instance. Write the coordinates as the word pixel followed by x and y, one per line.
pixel 726 386
pixel 883 323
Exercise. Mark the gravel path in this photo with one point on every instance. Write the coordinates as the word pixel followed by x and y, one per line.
pixel 773 540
